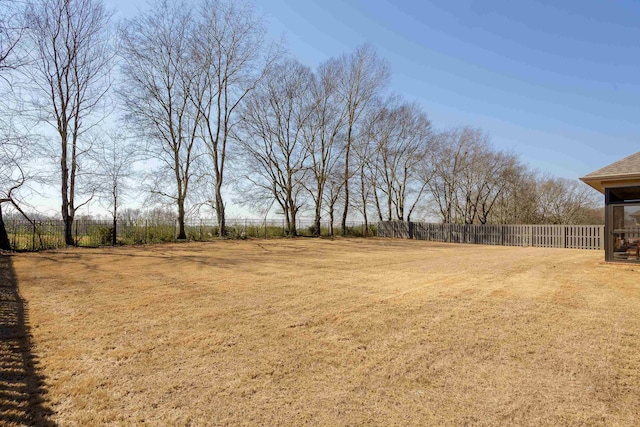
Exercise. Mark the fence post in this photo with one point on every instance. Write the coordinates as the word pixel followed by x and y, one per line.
pixel 531 235
pixel 564 236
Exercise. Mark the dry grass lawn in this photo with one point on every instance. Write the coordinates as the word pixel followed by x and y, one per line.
pixel 321 332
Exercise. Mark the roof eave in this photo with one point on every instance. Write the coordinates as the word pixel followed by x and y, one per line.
pixel 617 177
pixel 596 181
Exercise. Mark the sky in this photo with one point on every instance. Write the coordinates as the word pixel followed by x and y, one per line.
pixel 556 82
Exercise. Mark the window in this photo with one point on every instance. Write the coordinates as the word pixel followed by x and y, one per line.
pixel 624 226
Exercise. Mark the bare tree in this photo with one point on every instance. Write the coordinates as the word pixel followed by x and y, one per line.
pixel 156 90
pixel 70 68
pixel 517 202
pixel 447 158
pixel 366 156
pixel 12 28
pixel 14 176
pixel 13 146
pixel 272 138
pixel 484 174
pixel 322 132
pixel 382 133
pixel 333 191
pixel 564 201
pixel 114 156
pixel 401 134
pixel 499 169
pixel 364 153
pixel 363 75
pixel 229 59
pixel 470 176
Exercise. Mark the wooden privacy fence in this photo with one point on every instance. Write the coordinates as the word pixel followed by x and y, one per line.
pixel 546 236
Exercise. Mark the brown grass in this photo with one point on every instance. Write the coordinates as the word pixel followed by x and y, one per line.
pixel 344 332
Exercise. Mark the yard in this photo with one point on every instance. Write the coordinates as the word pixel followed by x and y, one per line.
pixel 322 332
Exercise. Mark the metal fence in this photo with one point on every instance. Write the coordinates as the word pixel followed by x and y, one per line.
pixel 547 236
pixel 49 234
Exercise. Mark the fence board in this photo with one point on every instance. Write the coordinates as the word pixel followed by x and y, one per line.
pixel 539 235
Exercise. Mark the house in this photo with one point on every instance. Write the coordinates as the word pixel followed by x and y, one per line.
pixel 620 184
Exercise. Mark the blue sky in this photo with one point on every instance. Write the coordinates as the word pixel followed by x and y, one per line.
pixel 556 82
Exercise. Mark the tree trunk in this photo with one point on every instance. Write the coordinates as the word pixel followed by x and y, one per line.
pixel 318 212
pixel 182 235
pixel 389 204
pixel 114 232
pixel 287 222
pixel 4 238
pixel 316 222
pixel 293 231
pixel 346 186
pixel 68 229
pixel 377 202
pixel 67 216
pixel 366 222
pixel 331 221
pixel 114 193
pixel 220 214
pixel 364 202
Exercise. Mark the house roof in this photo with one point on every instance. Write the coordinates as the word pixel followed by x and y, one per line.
pixel 630 165
pixel 625 169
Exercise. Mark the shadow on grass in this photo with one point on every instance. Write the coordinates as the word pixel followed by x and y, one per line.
pixel 22 400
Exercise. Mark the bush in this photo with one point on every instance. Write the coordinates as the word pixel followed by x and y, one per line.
pixel 312 230
pixel 105 235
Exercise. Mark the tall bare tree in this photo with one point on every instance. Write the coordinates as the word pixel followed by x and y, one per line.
pixel 70 66
pixel 484 175
pixel 517 203
pixel 229 58
pixel 333 192
pixel 322 135
pixel 564 201
pixel 13 145
pixel 365 154
pixel 475 183
pixel 114 157
pixel 447 159
pixel 402 137
pixel 363 75
pixel 272 138
pixel 159 78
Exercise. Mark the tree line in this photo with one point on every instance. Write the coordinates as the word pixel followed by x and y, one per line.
pixel 209 111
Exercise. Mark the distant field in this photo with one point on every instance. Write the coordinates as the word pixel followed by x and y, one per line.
pixel 323 332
